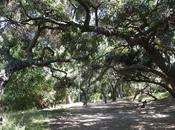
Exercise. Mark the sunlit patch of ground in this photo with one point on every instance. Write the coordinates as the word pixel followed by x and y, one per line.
pixel 65 106
pixel 121 115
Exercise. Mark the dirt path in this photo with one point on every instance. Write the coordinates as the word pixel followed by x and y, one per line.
pixel 122 115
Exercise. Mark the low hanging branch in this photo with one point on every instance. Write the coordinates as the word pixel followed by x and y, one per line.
pixel 149 94
pixel 139 91
pixel 140 68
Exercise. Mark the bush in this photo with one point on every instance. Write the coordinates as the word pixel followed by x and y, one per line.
pixel 28 89
pixel 95 97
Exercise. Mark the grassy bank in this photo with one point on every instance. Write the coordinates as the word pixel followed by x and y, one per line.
pixel 29 120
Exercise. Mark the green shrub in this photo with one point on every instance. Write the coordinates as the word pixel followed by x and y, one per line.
pixel 28 89
pixel 95 97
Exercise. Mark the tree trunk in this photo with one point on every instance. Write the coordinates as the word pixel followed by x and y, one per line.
pixel 85 100
pixel 119 92
pixel 68 99
pixel 105 99
pixel 113 93
pixel 113 96
pixel 104 96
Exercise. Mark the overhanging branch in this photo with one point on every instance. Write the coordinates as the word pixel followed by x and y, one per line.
pixel 165 86
pixel 140 68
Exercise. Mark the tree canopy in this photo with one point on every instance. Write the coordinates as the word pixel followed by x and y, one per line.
pixel 89 40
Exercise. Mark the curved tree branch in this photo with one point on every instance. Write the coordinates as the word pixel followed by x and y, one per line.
pixel 140 68
pixel 165 86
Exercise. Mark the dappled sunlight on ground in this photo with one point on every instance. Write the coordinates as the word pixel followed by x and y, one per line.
pixel 121 115
pixel 64 106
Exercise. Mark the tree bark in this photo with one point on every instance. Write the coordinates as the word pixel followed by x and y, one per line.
pixel 113 94
pixel 167 68
pixel 68 99
pixel 85 100
pixel 104 96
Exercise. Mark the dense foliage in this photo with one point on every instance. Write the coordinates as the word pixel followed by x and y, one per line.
pixel 95 46
pixel 28 89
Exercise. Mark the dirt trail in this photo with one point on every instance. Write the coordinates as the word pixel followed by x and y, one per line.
pixel 121 115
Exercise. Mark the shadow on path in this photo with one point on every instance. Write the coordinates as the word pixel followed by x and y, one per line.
pixel 121 115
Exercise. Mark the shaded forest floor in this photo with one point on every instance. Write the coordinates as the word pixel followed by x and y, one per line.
pixel 121 115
